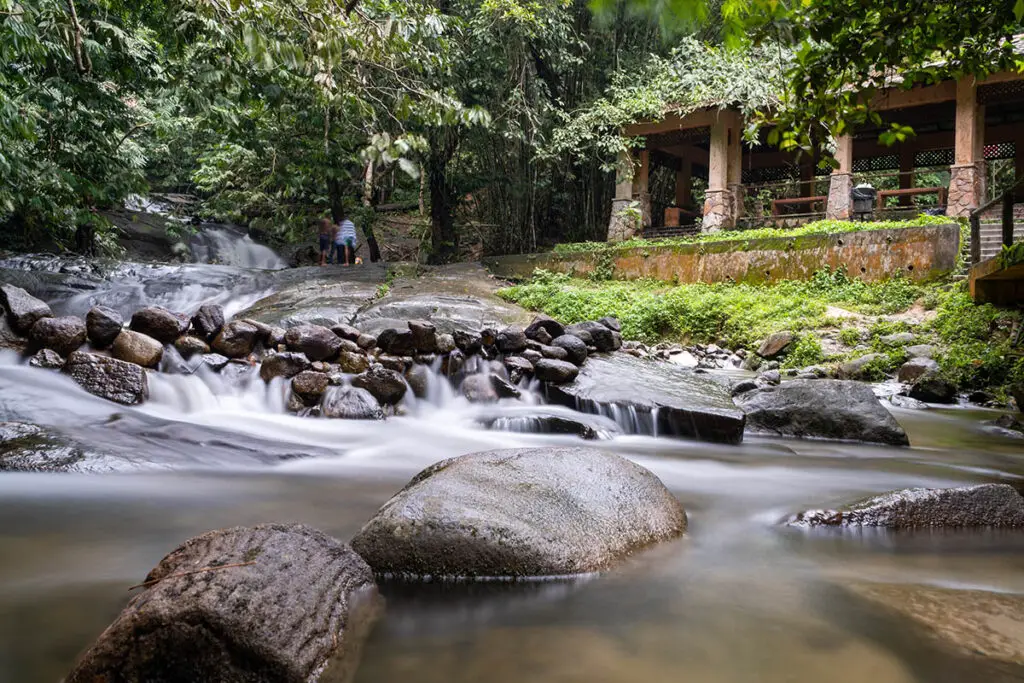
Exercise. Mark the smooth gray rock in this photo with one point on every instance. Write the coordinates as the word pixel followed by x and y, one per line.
pixel 64 335
pixel 986 505
pixel 555 371
pixel 236 339
pixel 138 348
pixel 387 386
pixel 366 342
pixel 30 448
pixel 23 309
pixel 418 379
pixel 915 368
pixel 189 346
pixel 898 339
pixel 310 386
pixel 208 321
pixel 859 368
pixel 286 365
pixel 102 325
pixel 520 513
pixel 685 404
pixel 346 332
pixel 159 323
pixel 316 341
pixel 396 342
pixel 109 378
pixel 518 368
pixel 575 348
pixel 611 323
pixel 446 343
pixel 821 409
pixel 776 345
pixel 551 327
pixel 601 337
pixel 479 388
pixel 282 603
pixel 215 361
pixel 351 403
pixel 511 339
pixel 921 351
pixel 424 336
pixel 555 352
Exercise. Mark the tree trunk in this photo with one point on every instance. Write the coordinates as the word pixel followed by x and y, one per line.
pixel 371 239
pixel 444 239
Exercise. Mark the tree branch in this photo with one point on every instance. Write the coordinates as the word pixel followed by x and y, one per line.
pixel 82 62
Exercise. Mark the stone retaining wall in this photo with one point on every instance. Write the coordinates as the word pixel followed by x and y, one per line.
pixel 920 253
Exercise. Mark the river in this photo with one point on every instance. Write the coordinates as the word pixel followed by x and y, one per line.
pixel 739 599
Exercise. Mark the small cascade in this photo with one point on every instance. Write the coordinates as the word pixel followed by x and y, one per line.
pixel 223 246
pixel 629 418
pixel 240 390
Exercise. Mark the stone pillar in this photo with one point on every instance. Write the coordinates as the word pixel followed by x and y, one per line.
pixel 840 206
pixel 735 170
pixel 624 223
pixel 967 175
pixel 684 184
pixel 719 206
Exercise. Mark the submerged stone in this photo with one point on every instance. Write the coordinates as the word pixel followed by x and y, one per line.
pixel 985 505
pixel 520 513
pixel 682 403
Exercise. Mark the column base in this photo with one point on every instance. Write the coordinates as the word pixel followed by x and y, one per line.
pixel 966 189
pixel 719 210
pixel 840 205
pixel 626 221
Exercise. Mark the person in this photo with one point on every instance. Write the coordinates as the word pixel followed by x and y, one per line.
pixel 326 230
pixel 346 240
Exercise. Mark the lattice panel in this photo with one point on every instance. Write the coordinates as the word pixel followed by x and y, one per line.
pixel 769 174
pixel 934 157
pixel 689 136
pixel 886 162
pixel 1001 150
pixel 1007 91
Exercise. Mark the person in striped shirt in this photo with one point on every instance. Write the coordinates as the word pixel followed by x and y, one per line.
pixel 346 239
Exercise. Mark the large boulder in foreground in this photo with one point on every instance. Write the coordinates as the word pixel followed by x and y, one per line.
pixel 282 603
pixel 822 409
pixel 23 309
pixel 109 378
pixel 64 335
pixel 986 505
pixel 666 399
pixel 520 513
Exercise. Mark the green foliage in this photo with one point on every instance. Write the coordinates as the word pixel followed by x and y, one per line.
pixel 1011 255
pixel 741 314
pixel 822 227
pixel 850 336
pixel 806 351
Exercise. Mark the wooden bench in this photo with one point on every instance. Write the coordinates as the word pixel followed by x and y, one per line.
pixel 912 192
pixel 796 201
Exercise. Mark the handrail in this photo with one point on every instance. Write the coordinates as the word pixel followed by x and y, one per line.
pixel 1006 199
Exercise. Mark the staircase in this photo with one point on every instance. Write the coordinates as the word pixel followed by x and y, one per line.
pixel 991 233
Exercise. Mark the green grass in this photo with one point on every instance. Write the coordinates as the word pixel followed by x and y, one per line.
pixel 824 227
pixel 741 314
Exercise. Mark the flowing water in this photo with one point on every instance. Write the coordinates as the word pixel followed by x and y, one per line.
pixel 739 599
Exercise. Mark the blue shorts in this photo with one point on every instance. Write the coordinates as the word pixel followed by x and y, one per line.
pixel 325 242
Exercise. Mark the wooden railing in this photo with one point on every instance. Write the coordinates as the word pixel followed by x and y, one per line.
pixel 1007 200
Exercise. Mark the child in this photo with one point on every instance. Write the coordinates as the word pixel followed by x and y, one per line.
pixel 326 230
pixel 347 238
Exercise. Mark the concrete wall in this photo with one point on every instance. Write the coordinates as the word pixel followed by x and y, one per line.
pixel 917 253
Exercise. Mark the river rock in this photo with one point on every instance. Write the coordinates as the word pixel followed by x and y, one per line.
pixel 208 321
pixel 453 363
pixel 159 323
pixel 859 368
pixel 611 323
pixel 510 339
pixel 575 348
pixel 933 389
pixel 580 333
pixel 102 325
pixel 533 356
pixel 286 365
pixel 1016 391
pixel 424 336
pixel 397 363
pixel 467 341
pixel 915 368
pixel 64 335
pixel 920 351
pixel 387 386
pixel 236 339
pixel 310 386
pixel 555 371
pixel 189 346
pixel 275 338
pixel 346 332
pixel 30 448
pixel 479 388
pixel 353 363
pixel 897 339
pixel 109 378
pixel 822 409
pixel 769 378
pixel 351 403
pixel 518 368
pixel 687 404
pixel 985 505
pixel 23 309
pixel 555 352
pixel 601 337
pixel 316 341
pixel 418 379
pixel 366 342
pixel 396 342
pixel 776 345
pixel 503 388
pixel 446 343
pixel 215 361
pixel 47 359
pixel 267 603
pixel 263 330
pixel 520 513
pixel 138 348
pixel 552 328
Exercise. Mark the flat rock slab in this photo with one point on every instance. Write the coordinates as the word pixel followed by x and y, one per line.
pixel 685 404
pixel 319 296
pixel 520 513
pixel 821 409
pixel 986 505
pixel 976 622
pixel 282 603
